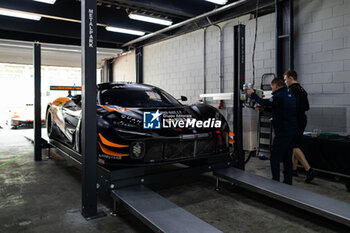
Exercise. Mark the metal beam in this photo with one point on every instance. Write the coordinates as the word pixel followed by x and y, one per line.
pixel 238 80
pixel 247 7
pixel 68 10
pixel 37 102
pixel 183 23
pixel 284 36
pixel 139 65
pixel 108 71
pixel 89 119
pixel 158 7
pixel 58 30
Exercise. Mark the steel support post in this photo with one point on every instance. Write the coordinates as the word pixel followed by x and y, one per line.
pixel 37 102
pixel 108 71
pixel 139 65
pixel 238 82
pixel 284 36
pixel 89 119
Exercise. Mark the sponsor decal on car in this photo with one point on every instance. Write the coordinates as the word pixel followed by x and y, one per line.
pixel 151 120
pixel 157 120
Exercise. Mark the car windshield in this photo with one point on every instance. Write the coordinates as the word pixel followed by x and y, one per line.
pixel 137 98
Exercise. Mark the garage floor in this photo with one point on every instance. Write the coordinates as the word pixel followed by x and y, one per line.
pixel 45 197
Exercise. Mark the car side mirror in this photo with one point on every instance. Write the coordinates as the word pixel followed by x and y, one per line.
pixel 183 98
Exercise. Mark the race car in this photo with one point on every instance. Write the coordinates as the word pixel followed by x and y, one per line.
pixel 139 124
pixel 22 116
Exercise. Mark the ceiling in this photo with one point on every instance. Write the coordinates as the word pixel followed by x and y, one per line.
pixel 20 52
pixel 60 22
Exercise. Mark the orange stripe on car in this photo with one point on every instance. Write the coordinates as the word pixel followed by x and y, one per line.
pixel 109 152
pixel 111 144
pixel 108 109
pixel 117 108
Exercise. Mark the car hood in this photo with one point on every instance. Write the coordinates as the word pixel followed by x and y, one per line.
pixel 134 116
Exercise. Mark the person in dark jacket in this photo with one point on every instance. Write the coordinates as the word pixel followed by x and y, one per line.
pixel 285 126
pixel 302 105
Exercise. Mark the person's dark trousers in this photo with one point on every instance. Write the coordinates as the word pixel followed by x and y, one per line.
pixel 282 151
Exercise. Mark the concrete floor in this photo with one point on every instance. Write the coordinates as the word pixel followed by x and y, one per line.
pixel 46 197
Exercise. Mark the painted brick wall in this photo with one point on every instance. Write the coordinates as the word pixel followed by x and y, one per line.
pixel 124 68
pixel 322 58
pixel 177 65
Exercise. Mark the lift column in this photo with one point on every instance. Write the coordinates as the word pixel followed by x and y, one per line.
pixel 37 102
pixel 139 65
pixel 89 119
pixel 238 82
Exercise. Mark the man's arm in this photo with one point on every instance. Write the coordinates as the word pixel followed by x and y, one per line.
pixel 262 102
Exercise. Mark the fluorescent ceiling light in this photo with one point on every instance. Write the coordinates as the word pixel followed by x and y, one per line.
pixel 19 14
pixel 126 31
pixel 150 19
pixel 220 2
pixel 46 1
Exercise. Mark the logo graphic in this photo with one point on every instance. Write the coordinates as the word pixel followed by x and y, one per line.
pixel 151 120
pixel 157 120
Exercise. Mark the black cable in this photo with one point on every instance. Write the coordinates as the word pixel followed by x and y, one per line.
pixel 255 37
pixel 248 158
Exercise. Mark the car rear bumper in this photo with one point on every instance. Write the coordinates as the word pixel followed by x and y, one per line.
pixel 23 123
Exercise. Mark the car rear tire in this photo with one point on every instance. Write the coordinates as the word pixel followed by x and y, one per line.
pixel 50 125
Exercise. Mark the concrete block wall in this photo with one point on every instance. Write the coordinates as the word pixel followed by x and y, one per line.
pixel 177 65
pixel 322 59
pixel 124 67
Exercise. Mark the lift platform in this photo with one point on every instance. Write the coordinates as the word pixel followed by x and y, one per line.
pixel 315 203
pixel 158 213
pixel 127 188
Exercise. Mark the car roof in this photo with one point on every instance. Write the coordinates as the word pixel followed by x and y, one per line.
pixel 131 85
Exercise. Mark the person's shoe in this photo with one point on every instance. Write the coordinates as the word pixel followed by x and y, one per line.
pixel 310 175
pixel 295 173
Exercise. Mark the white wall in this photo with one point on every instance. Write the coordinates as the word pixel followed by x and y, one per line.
pixel 322 58
pixel 124 68
pixel 177 65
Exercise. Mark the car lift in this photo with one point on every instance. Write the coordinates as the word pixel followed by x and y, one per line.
pixel 127 185
pixel 327 207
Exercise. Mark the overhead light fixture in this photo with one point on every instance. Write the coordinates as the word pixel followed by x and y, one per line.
pixel 150 19
pixel 19 14
pixel 219 2
pixel 126 31
pixel 46 1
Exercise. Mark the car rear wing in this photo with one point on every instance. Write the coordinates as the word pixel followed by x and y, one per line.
pixel 65 88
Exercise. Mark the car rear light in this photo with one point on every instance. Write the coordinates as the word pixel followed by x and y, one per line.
pixel 231 137
pixel 102 161
pixel 14 122
pixel 219 135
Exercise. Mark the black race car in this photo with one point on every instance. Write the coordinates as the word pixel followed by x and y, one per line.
pixel 139 124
